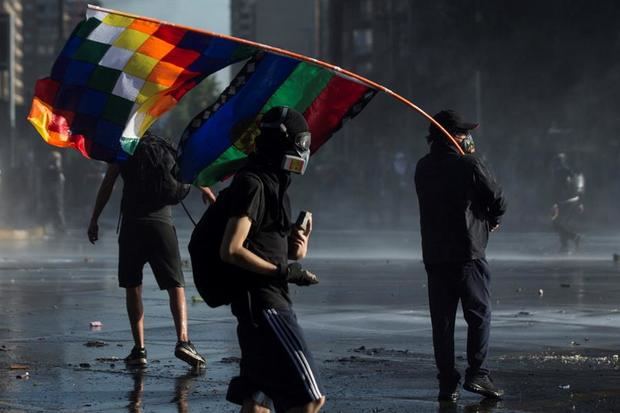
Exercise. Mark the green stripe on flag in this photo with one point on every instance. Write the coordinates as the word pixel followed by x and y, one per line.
pixel 298 91
pixel 226 164
pixel 301 88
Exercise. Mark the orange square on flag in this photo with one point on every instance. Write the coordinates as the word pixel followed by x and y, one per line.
pixel 165 74
pixel 144 26
pixel 156 48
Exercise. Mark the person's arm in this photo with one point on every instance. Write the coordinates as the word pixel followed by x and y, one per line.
pixel 103 196
pixel 490 194
pixel 233 251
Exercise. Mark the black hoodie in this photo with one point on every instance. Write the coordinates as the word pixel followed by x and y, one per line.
pixel 459 203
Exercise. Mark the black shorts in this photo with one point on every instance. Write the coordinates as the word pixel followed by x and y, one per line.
pixel 275 360
pixel 155 242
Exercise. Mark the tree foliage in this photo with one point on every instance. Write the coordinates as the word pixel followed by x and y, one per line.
pixel 174 122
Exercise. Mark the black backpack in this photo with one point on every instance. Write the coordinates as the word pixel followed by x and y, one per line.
pixel 154 171
pixel 217 282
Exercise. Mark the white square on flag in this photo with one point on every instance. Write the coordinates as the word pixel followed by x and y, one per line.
pixel 128 86
pixel 116 58
pixel 104 33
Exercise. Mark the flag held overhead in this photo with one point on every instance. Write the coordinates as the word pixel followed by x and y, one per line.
pixel 118 73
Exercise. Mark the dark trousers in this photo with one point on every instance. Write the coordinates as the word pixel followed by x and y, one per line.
pixel 469 283
pixel 565 224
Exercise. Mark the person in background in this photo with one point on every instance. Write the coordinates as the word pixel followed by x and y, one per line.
pixel 567 209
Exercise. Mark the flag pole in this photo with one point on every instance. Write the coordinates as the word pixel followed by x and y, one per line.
pixel 282 52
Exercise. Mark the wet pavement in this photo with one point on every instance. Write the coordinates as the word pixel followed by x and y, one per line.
pixel 555 337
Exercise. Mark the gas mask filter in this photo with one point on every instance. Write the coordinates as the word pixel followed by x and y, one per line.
pixel 468 144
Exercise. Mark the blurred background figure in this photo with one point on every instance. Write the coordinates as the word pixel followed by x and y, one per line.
pixel 567 191
pixel 53 193
pixel 402 174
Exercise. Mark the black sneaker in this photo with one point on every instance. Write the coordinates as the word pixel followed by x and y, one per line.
pixel 137 357
pixel 483 385
pixel 186 351
pixel 448 391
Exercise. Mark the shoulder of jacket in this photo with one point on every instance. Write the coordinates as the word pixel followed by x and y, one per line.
pixel 472 161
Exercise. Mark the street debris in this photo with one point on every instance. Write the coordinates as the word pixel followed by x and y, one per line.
pixel 95 343
pixel 23 376
pixel 96 324
pixel 197 299
pixel 541 292
pixel 18 366
pixel 564 386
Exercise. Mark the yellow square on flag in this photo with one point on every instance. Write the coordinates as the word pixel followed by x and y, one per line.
pixel 140 65
pixel 149 89
pixel 118 21
pixel 130 39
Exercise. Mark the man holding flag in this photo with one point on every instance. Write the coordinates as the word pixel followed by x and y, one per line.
pixel 459 205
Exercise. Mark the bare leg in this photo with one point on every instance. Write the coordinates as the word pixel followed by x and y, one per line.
pixel 135 311
pixel 312 407
pixel 178 309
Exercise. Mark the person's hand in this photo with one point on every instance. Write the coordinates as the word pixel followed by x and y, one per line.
pixel 208 197
pixel 299 239
pixel 93 232
pixel 299 276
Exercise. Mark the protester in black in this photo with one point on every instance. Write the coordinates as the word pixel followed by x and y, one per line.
pixel 459 205
pixel 147 234
pixel 54 192
pixel 277 369
pixel 567 209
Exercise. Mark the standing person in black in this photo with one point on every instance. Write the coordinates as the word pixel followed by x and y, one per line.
pixel 277 369
pixel 459 205
pixel 147 234
pixel 567 190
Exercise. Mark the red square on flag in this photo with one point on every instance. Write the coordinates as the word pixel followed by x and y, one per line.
pixel 181 57
pixel 46 90
pixel 170 34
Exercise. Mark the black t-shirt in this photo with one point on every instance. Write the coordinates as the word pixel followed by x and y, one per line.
pixel 262 197
pixel 131 206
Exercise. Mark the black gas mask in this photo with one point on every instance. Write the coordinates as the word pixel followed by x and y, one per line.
pixel 287 139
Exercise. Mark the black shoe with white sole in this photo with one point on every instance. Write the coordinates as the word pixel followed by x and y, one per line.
pixel 483 385
pixel 137 357
pixel 186 351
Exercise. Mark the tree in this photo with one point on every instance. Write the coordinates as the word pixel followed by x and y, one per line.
pixel 174 122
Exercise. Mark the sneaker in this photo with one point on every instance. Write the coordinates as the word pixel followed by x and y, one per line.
pixel 137 357
pixel 448 392
pixel 483 385
pixel 186 351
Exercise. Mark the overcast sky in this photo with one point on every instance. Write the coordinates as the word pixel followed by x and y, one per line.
pixel 211 15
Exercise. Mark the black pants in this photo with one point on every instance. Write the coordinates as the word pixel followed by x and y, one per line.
pixel 565 224
pixel 469 283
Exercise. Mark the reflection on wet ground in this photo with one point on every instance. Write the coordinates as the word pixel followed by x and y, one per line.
pixel 554 339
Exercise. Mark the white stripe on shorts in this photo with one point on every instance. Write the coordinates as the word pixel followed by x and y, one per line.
pixel 295 352
pixel 287 331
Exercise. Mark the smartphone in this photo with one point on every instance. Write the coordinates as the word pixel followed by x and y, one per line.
pixel 303 220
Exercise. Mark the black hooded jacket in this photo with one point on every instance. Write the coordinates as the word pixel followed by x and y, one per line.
pixel 459 203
